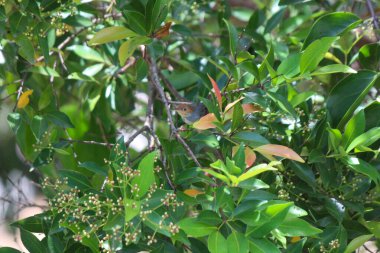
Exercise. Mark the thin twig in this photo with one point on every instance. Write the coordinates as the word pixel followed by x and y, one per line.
pixel 6 97
pixel 170 87
pixel 89 142
pixel 374 18
pixel 156 82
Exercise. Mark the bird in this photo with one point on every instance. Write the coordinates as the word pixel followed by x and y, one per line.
pixel 190 112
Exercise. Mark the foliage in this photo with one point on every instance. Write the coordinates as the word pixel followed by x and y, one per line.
pixel 285 160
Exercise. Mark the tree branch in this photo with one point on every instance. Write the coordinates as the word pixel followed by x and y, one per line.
pixel 154 76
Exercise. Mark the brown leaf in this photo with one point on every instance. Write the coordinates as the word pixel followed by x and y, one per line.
pixel 24 99
pixel 163 31
pixel 206 122
pixel 217 91
pixel 251 108
pixel 279 150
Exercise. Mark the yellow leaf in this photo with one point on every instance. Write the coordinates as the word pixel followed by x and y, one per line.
pixel 295 239
pixel 206 122
pixel 230 105
pixel 279 150
pixel 192 192
pixel 24 99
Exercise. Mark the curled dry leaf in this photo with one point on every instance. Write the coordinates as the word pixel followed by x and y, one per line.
pixel 24 99
pixel 192 192
pixel 206 122
pixel 163 31
pixel 279 150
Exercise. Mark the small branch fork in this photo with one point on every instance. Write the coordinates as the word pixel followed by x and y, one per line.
pixel 374 17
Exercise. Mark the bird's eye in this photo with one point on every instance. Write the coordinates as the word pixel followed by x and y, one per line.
pixel 185 109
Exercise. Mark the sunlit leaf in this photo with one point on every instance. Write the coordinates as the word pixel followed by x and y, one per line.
pixel 24 99
pixel 206 122
pixel 110 34
pixel 279 150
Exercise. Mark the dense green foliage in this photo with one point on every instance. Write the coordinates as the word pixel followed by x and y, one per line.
pixel 286 160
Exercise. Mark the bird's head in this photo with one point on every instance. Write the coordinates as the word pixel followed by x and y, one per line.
pixel 184 110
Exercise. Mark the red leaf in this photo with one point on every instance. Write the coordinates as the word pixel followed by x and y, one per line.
pixel 217 92
pixel 279 150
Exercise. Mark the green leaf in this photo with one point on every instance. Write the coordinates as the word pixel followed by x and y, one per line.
pixel 298 227
pixel 31 243
pixel 365 139
pixel 136 21
pixel 231 167
pixel 232 35
pixel 274 20
pixel 369 56
pixel 9 250
pixel 331 25
pixel 39 125
pixel 357 242
pixel 128 48
pixel 283 103
pixel 239 157
pixel 34 224
pixel 132 209
pixel 110 34
pixel 347 95
pixel 273 216
pixel 194 228
pixel 55 245
pixel 335 208
pixel 363 167
pixel 334 68
pixel 237 243
pixel 217 175
pixel 371 112
pixel 94 167
pixel 237 117
pixel 254 171
pixel 290 67
pixel 76 179
pixel 216 243
pixel 262 246
pixel 59 119
pixel 314 53
pixel 354 128
pixel 87 53
pixel 301 97
pixel 304 172
pixel 43 70
pixel 155 13
pixel 26 49
pixel 43 43
pixel 250 138
pixel 146 177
